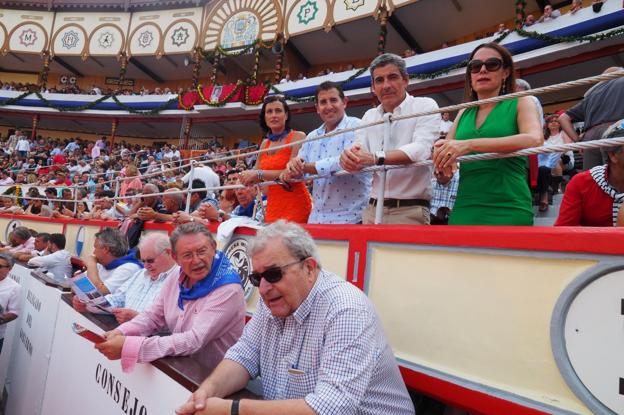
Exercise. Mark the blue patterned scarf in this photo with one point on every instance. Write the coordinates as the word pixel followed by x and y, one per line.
pixel 276 137
pixel 130 258
pixel 221 273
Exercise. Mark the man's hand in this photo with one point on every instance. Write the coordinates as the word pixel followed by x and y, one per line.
pixel 296 167
pixel 355 159
pixel 146 213
pixel 124 314
pixel 79 306
pixel 113 345
pixel 208 211
pixel 180 218
pixel 201 400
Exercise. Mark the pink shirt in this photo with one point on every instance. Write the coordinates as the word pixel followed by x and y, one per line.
pixel 205 329
pixel 27 246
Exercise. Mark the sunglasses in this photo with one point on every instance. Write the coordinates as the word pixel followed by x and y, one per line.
pixel 491 65
pixel 271 275
pixel 152 260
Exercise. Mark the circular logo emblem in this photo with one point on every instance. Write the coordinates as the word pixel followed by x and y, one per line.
pixel 236 252
pixel 80 237
pixel 587 337
pixel 14 223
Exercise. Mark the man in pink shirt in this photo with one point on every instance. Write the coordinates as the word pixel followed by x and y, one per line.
pixel 22 241
pixel 203 308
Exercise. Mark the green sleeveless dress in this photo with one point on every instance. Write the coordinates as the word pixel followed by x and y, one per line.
pixel 492 192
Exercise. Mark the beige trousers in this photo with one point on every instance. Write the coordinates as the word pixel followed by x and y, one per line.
pixel 412 215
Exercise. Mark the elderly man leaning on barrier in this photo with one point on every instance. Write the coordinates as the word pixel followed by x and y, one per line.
pixel 110 265
pixel 21 241
pixel 41 248
pixel 9 295
pixel 57 260
pixel 315 339
pixel 335 200
pixel 407 190
pixel 203 308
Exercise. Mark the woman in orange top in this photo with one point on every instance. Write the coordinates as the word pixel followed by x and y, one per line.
pixel 295 204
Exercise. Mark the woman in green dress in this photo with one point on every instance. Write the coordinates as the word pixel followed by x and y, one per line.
pixel 491 192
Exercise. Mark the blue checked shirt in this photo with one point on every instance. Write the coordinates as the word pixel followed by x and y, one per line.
pixel 140 291
pixel 444 195
pixel 331 351
pixel 340 199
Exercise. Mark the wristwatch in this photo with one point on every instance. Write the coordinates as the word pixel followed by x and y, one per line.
pixel 234 409
pixel 380 157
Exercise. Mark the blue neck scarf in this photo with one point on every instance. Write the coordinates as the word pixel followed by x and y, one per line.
pixel 221 273
pixel 276 137
pixel 130 258
pixel 248 211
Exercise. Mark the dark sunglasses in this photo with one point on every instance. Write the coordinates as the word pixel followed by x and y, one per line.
pixel 491 65
pixel 271 275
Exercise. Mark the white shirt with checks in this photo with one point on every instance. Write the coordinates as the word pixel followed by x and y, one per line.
pixel 140 291
pixel 331 351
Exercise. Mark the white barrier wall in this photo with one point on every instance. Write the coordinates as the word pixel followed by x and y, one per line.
pixel 103 387
pixel 32 343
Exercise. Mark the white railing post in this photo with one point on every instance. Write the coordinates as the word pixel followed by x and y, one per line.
pixel 187 209
pixel 381 184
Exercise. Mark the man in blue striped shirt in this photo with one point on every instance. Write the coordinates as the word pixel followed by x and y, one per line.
pixel 335 199
pixel 315 339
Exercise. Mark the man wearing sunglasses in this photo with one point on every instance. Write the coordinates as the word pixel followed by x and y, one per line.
pixel 407 194
pixel 315 339
pixel 140 290
pixel 203 306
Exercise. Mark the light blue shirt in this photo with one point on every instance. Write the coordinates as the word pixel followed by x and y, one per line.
pixel 340 199
pixel 140 291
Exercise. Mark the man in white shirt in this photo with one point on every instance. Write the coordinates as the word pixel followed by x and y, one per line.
pixel 111 264
pixel 23 146
pixel 407 190
pixel 41 248
pixel 58 261
pixel 9 295
pixel 445 124
pixel 206 175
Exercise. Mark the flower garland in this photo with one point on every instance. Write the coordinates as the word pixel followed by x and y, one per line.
pixel 520 13
pixel 185 107
pixel 258 101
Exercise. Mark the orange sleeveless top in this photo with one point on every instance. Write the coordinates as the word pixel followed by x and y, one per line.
pixel 293 206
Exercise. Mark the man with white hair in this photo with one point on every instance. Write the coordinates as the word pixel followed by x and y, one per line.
pixel 315 338
pixel 140 290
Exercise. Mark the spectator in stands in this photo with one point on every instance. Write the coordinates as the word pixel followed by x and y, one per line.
pixel 57 260
pixel 37 206
pixel 5 178
pixel 547 162
pixel 172 201
pixel 8 206
pixel 529 21
pixel 131 180
pixel 197 198
pixel 209 178
pixel 599 109
pixel 522 85
pixel 292 202
pixel 549 14
pixel 445 124
pixel 594 197
pixel 340 199
pixel 21 241
pixel 111 264
pixel 41 248
pixel 247 206
pixel 491 192
pixel 597 5
pixel 576 6
pixel 140 290
pixel 203 307
pixel 347 365
pixel 443 199
pixel 23 146
pixel 502 29
pixel 408 191
pixel 9 295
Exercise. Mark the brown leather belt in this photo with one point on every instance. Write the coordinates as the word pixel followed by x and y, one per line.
pixel 395 203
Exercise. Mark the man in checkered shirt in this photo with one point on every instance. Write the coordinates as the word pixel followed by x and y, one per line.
pixel 315 340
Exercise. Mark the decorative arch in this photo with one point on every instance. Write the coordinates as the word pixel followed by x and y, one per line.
pixel 131 36
pixel 117 28
pixel 171 25
pixel 45 42
pixel 266 15
pixel 85 48
pixel 5 44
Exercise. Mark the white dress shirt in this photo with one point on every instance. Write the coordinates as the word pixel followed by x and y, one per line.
pixel 58 263
pixel 414 137
pixel 9 299
pixel 114 278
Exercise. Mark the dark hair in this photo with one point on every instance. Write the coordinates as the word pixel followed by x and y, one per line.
pixel 58 239
pixel 268 100
pixel 199 184
pixel 113 240
pixel 327 86
pixel 44 236
pixel 510 82
pixel 548 120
